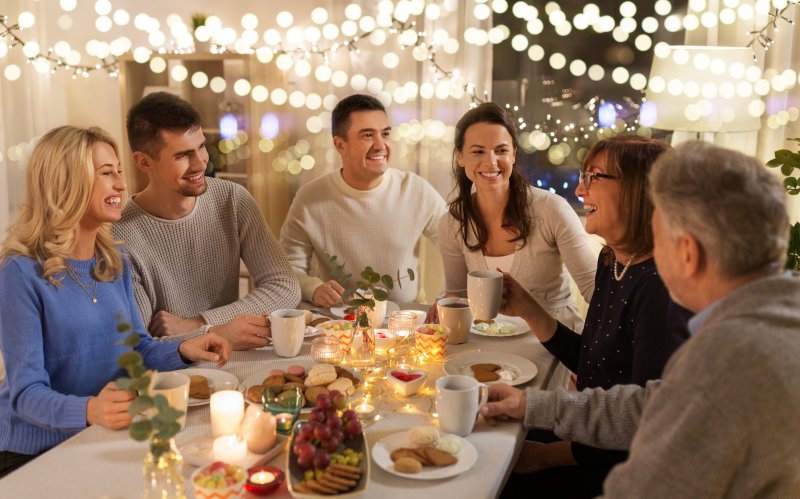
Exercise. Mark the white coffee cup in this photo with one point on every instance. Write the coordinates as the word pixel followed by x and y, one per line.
pixel 458 399
pixel 288 327
pixel 174 386
pixel 378 314
pixel 484 292
pixel 456 315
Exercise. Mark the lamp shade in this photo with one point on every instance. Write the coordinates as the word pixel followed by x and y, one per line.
pixel 703 89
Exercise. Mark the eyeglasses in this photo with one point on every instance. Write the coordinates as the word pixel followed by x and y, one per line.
pixel 588 178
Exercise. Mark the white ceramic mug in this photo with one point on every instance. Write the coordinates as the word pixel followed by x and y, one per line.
pixel 456 315
pixel 458 399
pixel 484 292
pixel 288 327
pixel 174 386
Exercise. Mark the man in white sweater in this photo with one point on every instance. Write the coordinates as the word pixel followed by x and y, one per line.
pixel 364 214
pixel 186 235
pixel 723 421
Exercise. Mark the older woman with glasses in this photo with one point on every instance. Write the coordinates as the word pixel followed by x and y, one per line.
pixel 632 326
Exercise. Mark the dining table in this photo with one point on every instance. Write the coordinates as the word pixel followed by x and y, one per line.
pixel 103 463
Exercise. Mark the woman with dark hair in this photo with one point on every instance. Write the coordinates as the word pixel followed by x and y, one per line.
pixel 498 221
pixel 632 325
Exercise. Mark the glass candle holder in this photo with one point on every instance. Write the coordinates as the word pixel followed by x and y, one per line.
pixel 401 325
pixel 402 356
pixel 326 350
pixel 285 407
pixel 263 480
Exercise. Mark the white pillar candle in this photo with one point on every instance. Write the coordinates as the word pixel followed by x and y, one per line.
pixel 227 411
pixel 229 449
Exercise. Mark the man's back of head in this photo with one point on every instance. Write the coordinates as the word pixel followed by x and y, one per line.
pixel 156 112
pixel 729 202
pixel 340 117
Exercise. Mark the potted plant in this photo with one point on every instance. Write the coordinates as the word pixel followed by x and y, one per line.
pixel 787 161
pixel 156 422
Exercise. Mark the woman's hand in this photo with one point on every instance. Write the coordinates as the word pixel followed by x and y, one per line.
pixel 110 407
pixel 210 347
pixel 518 301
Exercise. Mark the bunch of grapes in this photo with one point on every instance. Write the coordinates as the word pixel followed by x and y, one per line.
pixel 329 426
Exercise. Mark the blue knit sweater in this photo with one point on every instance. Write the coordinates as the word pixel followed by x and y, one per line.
pixel 60 349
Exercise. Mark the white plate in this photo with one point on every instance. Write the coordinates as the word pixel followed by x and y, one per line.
pixel 258 377
pixel 381 453
pixel 200 452
pixel 518 323
pixel 521 369
pixel 390 307
pixel 213 375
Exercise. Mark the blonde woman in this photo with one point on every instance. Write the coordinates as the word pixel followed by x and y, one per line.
pixel 63 282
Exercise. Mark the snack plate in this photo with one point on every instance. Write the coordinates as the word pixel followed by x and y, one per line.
pixel 213 376
pixel 199 452
pixel 258 377
pixel 518 323
pixel 381 453
pixel 521 369
pixel 295 475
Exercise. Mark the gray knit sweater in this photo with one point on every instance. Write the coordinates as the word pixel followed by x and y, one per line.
pixel 190 266
pixel 723 422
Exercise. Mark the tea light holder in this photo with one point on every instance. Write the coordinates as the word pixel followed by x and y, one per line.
pixel 230 449
pixel 264 480
pixel 284 422
pixel 285 410
pixel 401 325
pixel 365 410
pixel 327 350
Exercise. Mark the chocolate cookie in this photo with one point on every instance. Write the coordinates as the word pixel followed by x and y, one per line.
pixel 198 387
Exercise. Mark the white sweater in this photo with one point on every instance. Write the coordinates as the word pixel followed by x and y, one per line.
pixel 556 238
pixel 380 228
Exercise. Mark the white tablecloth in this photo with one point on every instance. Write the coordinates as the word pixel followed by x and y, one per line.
pixel 100 463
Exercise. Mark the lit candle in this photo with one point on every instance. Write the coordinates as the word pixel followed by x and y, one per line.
pixel 284 421
pixel 262 477
pixel 264 480
pixel 365 410
pixel 229 449
pixel 227 411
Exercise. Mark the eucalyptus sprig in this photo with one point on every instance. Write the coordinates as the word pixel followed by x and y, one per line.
pixel 787 161
pixel 370 287
pixel 159 421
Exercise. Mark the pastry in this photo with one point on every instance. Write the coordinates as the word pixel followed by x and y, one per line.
pixel 407 465
pixel 486 367
pixel 313 392
pixel 255 392
pixel 274 381
pixel 484 321
pixel 198 387
pixel 321 374
pixel 439 457
pixel 424 436
pixel 344 385
pixel 485 372
pixel 298 371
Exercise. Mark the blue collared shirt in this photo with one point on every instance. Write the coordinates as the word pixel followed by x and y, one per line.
pixel 696 322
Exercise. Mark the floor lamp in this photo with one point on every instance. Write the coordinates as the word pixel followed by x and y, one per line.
pixel 706 93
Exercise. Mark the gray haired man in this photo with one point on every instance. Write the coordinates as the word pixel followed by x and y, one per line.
pixel 723 421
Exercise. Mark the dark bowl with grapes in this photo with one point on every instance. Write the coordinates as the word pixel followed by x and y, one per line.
pixel 328 454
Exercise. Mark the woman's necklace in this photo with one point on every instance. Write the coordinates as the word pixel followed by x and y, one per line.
pixel 74 274
pixel 619 276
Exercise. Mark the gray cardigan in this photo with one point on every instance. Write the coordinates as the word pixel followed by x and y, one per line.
pixel 725 419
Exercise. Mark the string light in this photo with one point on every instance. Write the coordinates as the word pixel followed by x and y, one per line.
pixel 760 37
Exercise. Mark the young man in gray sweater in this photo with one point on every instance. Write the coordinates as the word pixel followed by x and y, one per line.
pixel 723 421
pixel 187 233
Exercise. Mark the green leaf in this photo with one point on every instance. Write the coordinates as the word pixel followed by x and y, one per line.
pixel 140 430
pixel 381 295
pixel 140 383
pixel 387 281
pixel 129 359
pixel 124 383
pixel 787 169
pixel 410 274
pixel 783 154
pixel 775 162
pixel 123 327
pixel 140 404
pixel 373 278
pixel 132 340
pixel 160 402
pixel 790 182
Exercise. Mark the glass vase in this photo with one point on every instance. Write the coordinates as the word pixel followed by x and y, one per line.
pixel 163 471
pixel 361 355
